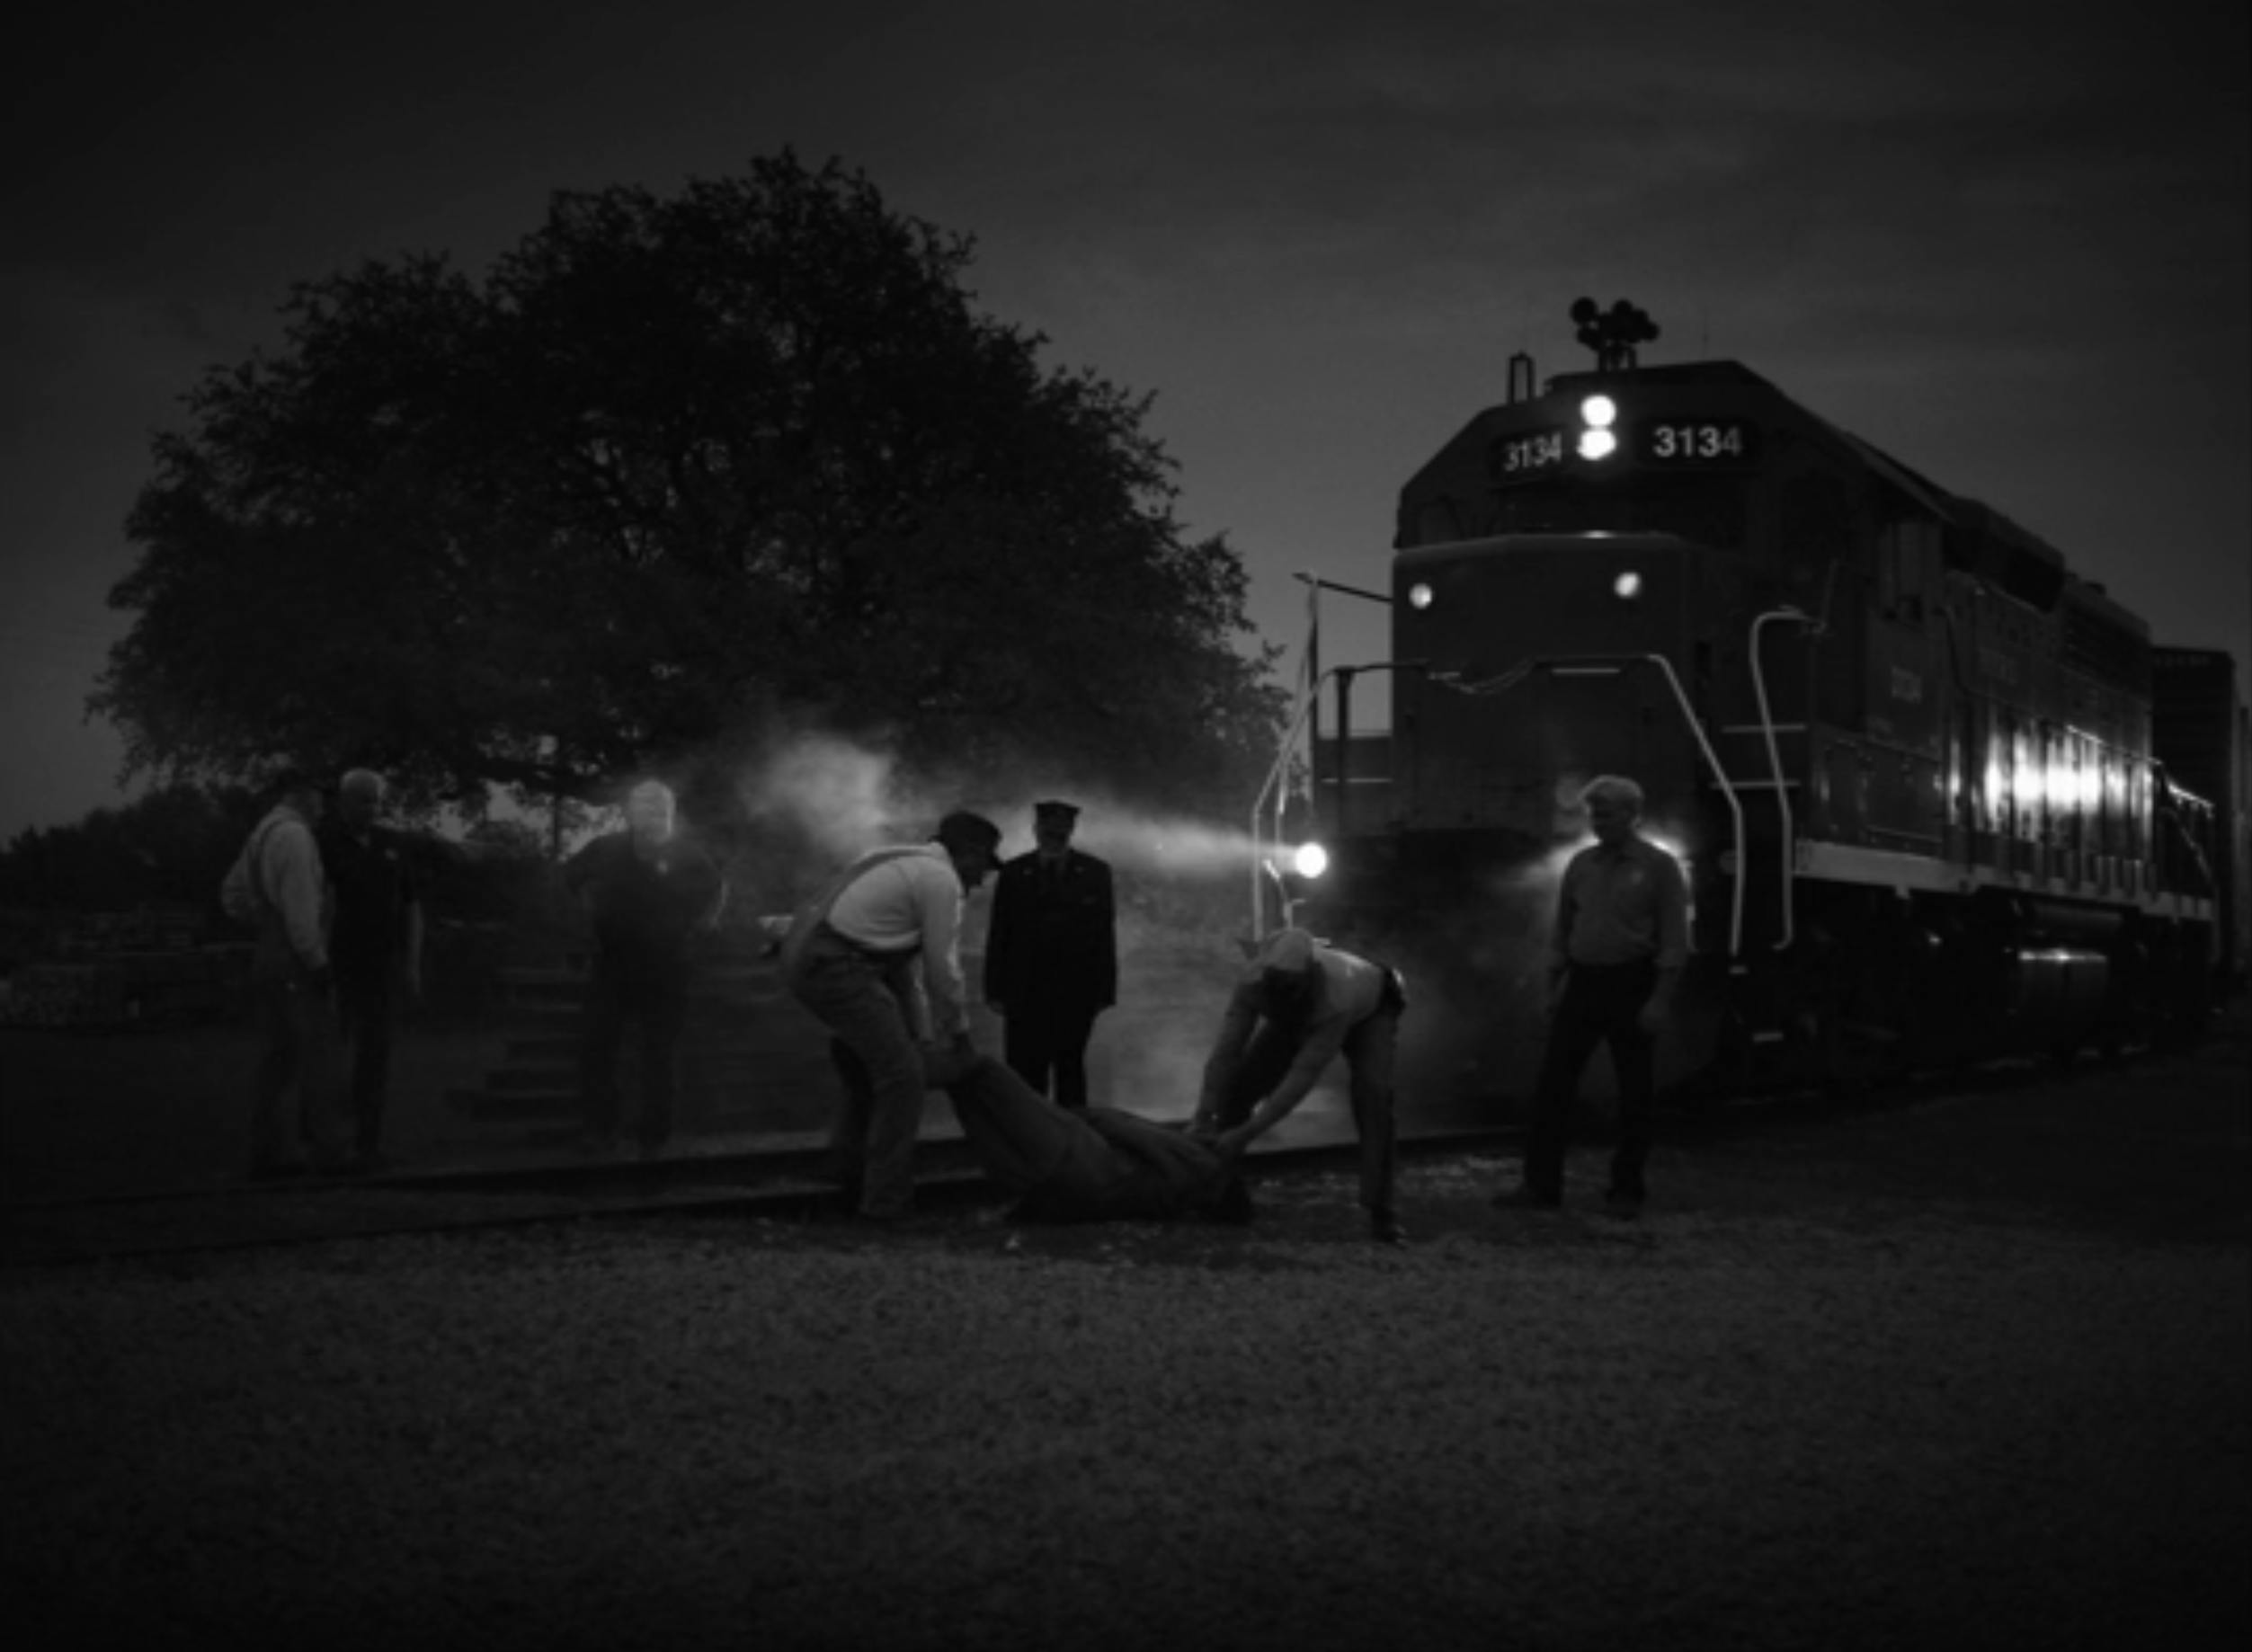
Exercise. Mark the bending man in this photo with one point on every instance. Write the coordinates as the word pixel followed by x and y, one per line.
pixel 878 960
pixel 1300 1004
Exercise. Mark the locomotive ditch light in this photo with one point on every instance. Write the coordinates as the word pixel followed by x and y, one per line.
pixel 1419 595
pixel 1627 586
pixel 1597 441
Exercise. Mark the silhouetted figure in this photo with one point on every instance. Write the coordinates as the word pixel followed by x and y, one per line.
pixel 1052 955
pixel 376 946
pixel 1615 955
pixel 277 885
pixel 646 890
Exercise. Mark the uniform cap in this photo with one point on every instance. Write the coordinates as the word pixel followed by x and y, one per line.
pixel 1056 811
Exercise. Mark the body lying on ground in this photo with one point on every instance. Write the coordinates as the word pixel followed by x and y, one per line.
pixel 1092 1165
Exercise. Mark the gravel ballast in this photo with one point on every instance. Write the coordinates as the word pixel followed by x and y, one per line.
pixel 1808 1403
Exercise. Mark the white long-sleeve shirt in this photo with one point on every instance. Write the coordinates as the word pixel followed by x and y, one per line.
pixel 913 902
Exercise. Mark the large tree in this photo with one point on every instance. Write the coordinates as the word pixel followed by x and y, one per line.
pixel 672 468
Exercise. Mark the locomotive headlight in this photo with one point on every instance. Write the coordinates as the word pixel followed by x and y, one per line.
pixel 1627 586
pixel 1419 595
pixel 1597 441
pixel 1308 860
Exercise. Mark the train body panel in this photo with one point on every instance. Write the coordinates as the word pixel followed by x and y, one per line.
pixel 1904 753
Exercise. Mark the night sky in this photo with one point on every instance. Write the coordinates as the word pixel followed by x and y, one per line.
pixel 2006 242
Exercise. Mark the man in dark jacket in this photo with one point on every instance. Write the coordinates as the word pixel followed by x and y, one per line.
pixel 646 890
pixel 376 946
pixel 1052 955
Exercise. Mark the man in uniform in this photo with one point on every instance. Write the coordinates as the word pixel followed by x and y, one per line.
pixel 1299 1004
pixel 277 885
pixel 878 960
pixel 376 944
pixel 647 889
pixel 1052 955
pixel 1614 961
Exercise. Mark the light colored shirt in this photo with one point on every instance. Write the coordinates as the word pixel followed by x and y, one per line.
pixel 280 868
pixel 1621 906
pixel 911 903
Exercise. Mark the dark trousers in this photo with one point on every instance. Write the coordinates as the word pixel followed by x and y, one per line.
pixel 1371 1055
pixel 294 1115
pixel 655 998
pixel 866 1003
pixel 1041 1042
pixel 1602 1004
pixel 364 1018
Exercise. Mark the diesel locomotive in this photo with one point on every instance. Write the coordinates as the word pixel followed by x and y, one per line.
pixel 1939 797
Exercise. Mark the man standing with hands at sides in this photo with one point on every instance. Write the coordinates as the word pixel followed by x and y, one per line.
pixel 277 885
pixel 647 889
pixel 377 944
pixel 1052 955
pixel 878 960
pixel 1615 963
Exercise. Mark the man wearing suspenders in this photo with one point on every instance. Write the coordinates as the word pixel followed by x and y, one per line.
pixel 878 961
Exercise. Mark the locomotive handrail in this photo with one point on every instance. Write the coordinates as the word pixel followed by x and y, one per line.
pixel 1775 764
pixel 1567 664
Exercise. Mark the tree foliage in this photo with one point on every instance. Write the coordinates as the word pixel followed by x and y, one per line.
pixel 673 469
pixel 171 846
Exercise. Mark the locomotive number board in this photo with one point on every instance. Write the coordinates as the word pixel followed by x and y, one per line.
pixel 1696 441
pixel 1525 456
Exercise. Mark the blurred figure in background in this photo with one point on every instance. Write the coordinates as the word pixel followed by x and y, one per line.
pixel 645 890
pixel 277 885
pixel 878 960
pixel 1299 1004
pixel 1614 959
pixel 376 947
pixel 1052 955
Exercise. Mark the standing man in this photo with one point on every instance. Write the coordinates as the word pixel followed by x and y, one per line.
pixel 645 890
pixel 1299 1004
pixel 376 944
pixel 1615 962
pixel 277 885
pixel 878 960
pixel 1052 955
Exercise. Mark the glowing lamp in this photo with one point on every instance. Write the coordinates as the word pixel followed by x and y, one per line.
pixel 1309 860
pixel 1596 444
pixel 1627 586
pixel 1599 413
pixel 1419 595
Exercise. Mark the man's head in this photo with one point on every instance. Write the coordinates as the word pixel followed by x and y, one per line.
pixel 1052 824
pixel 1614 803
pixel 972 842
pixel 359 799
pixel 649 813
pixel 1285 972
pixel 296 789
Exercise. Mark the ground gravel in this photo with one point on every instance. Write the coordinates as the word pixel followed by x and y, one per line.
pixel 1777 1414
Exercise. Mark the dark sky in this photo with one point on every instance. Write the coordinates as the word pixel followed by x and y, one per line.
pixel 2006 242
